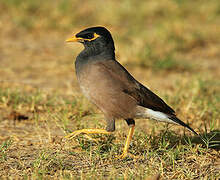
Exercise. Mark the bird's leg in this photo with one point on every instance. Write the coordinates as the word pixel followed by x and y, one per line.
pixel 110 123
pixel 87 131
pixel 131 124
pixel 127 143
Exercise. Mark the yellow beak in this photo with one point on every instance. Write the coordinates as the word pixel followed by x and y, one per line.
pixel 74 39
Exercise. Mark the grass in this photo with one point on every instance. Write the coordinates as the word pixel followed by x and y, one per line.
pixel 170 46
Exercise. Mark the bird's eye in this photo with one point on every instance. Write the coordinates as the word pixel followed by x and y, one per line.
pixel 89 36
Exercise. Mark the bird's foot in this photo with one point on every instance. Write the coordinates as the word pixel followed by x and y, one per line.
pixel 90 138
pixel 86 132
pixel 122 156
pixel 126 154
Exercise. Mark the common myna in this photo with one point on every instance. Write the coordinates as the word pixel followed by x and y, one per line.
pixel 107 84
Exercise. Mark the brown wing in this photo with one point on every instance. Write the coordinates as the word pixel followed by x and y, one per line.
pixel 148 99
pixel 132 87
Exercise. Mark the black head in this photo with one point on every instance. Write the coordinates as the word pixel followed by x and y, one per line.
pixel 98 37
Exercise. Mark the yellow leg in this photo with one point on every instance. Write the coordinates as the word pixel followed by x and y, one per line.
pixel 127 143
pixel 87 131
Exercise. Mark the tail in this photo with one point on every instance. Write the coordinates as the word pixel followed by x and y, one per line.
pixel 178 121
pixel 160 116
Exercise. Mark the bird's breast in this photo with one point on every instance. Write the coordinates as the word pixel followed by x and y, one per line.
pixel 92 82
pixel 106 92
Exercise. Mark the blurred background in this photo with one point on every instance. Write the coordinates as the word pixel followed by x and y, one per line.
pixel 171 46
pixel 168 36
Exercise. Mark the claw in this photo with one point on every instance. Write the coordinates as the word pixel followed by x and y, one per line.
pixel 122 156
pixel 90 138
pixel 126 154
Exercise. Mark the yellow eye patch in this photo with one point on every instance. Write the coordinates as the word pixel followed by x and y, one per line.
pixel 80 39
pixel 95 36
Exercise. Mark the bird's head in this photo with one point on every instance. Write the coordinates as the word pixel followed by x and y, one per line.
pixel 98 37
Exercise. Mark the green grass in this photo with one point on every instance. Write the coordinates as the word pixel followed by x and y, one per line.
pixel 3 149
pixel 157 148
pixel 171 46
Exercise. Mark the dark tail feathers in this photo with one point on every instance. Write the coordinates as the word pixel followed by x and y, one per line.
pixel 178 121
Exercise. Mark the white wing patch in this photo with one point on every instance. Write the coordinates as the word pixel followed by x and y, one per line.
pixel 155 115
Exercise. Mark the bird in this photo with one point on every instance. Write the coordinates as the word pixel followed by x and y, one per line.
pixel 108 85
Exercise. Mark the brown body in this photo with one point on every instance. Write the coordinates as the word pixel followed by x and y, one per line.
pixel 104 86
pixel 116 93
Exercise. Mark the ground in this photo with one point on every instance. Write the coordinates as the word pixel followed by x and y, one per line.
pixel 172 47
